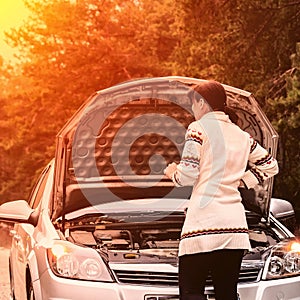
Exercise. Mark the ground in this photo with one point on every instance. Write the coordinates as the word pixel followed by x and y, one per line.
pixel 5 242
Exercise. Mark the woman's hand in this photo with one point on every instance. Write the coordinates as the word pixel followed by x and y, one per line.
pixel 242 184
pixel 170 169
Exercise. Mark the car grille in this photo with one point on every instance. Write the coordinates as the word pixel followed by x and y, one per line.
pixel 171 279
pixel 147 278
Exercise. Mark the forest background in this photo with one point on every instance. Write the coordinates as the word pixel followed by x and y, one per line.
pixel 68 49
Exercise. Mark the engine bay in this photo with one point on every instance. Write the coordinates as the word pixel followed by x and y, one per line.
pixel 153 242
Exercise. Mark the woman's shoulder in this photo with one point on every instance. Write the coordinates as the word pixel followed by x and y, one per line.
pixel 195 126
pixel 195 130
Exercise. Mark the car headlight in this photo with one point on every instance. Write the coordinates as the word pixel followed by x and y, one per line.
pixel 72 261
pixel 284 260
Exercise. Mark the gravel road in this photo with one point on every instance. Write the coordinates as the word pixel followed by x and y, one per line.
pixel 4 276
pixel 5 242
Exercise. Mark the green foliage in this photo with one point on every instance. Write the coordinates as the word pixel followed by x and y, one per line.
pixel 67 52
pixel 240 42
pixel 285 111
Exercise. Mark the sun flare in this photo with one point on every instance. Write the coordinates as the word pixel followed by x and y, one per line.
pixel 12 14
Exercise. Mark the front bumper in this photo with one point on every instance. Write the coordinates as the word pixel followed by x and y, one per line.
pixel 51 287
pixel 277 289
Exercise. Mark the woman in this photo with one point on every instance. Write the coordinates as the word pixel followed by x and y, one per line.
pixel 214 160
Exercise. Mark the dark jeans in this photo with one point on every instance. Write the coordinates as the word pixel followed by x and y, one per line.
pixel 224 266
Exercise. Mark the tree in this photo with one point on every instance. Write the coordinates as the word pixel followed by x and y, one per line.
pixel 68 50
pixel 284 107
pixel 235 41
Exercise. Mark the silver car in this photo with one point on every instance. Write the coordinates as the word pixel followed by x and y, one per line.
pixel 103 222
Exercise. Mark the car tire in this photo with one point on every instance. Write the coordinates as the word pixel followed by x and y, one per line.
pixel 12 293
pixel 29 289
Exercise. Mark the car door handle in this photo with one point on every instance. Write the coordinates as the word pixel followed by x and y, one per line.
pixel 15 236
pixel 12 232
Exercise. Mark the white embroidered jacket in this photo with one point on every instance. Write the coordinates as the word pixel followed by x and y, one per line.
pixel 216 156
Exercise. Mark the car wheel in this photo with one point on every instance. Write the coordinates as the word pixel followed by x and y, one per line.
pixel 12 293
pixel 30 292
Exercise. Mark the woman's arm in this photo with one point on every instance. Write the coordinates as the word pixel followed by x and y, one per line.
pixel 187 171
pixel 262 165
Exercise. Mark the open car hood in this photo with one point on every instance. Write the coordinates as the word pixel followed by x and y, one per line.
pixel 117 144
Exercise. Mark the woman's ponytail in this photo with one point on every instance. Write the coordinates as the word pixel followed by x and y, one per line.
pixel 231 113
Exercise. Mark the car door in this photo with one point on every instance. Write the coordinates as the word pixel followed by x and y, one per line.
pixel 23 240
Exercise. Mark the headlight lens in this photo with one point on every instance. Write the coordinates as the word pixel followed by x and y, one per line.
pixel 284 260
pixel 91 268
pixel 72 261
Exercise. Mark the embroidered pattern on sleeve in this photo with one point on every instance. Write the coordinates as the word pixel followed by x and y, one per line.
pixel 265 160
pixel 257 175
pixel 190 161
pixel 195 136
pixel 253 144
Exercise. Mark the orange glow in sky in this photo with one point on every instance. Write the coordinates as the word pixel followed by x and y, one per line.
pixel 12 14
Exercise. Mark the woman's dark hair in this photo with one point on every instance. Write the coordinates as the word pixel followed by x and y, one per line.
pixel 232 114
pixel 214 94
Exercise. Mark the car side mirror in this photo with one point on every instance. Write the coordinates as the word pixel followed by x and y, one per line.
pixel 18 211
pixel 283 211
pixel 281 208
